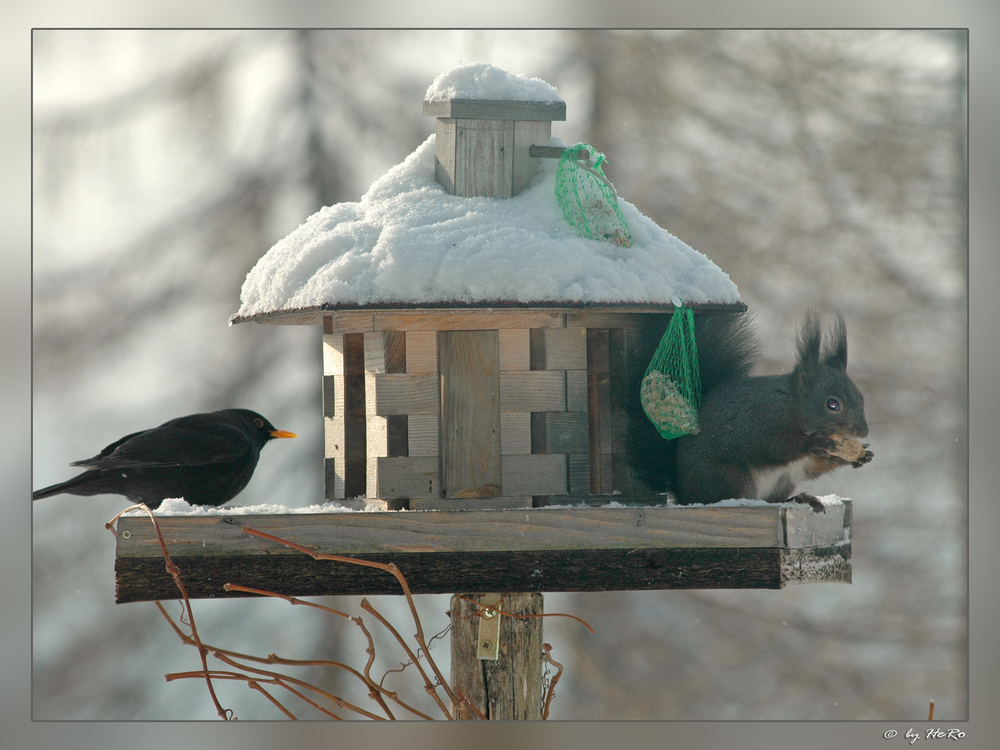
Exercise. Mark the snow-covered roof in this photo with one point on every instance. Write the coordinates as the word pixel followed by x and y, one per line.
pixel 409 242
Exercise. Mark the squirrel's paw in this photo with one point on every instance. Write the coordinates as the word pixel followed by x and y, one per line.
pixel 868 456
pixel 811 500
pixel 823 444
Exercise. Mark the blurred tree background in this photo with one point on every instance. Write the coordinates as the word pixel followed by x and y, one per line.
pixel 822 169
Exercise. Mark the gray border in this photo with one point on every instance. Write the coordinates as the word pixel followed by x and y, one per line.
pixel 980 16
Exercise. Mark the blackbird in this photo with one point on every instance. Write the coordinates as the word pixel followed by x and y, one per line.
pixel 206 459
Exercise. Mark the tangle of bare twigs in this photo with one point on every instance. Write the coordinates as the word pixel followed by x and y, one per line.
pixel 249 669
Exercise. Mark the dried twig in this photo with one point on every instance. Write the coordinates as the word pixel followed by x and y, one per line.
pixel 175 573
pixel 481 606
pixel 257 678
pixel 550 690
pixel 376 691
pixel 429 685
pixel 389 568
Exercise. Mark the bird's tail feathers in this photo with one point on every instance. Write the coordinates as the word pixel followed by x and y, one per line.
pixel 74 486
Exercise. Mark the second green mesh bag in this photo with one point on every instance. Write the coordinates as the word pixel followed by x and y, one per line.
pixel 671 388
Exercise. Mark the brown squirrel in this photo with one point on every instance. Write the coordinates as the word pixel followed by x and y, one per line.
pixel 759 436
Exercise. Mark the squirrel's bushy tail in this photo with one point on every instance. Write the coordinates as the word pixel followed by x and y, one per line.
pixel 727 348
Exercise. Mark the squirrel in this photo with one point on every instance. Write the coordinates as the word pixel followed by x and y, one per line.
pixel 758 436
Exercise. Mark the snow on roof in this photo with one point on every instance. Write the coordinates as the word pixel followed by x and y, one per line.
pixel 484 81
pixel 408 241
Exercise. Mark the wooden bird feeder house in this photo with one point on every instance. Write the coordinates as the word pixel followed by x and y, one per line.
pixel 488 413
pixel 489 436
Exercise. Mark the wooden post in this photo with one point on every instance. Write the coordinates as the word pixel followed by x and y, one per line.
pixel 510 687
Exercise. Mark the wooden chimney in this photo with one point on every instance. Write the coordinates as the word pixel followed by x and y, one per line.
pixel 481 146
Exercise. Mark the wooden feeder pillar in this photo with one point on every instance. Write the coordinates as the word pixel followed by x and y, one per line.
pixel 481 146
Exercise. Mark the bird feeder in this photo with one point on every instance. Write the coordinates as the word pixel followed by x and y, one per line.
pixel 485 425
pixel 472 346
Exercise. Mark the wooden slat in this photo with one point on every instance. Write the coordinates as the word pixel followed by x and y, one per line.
pixel 397 435
pixel 559 432
pixel 334 413
pixel 527 133
pixel 355 421
pixel 376 428
pixel 533 390
pixel 602 472
pixel 578 466
pixel 623 479
pixel 396 428
pixel 535 529
pixel 347 322
pixel 575 570
pixel 423 434
pixel 415 476
pixel 543 549
pixel 623 355
pixel 534 474
pixel 576 390
pixel 333 478
pixel 316 314
pixel 599 410
pixel 333 354
pixel 282 318
pixel 444 153
pixel 354 376
pixel 470 410
pixel 604 319
pixel 500 109
pixel 465 503
pixel 464 320
pixel 515 433
pixel 407 394
pixel 330 383
pixel 816 565
pixel 421 352
pixel 806 528
pixel 559 349
pixel 484 158
pixel 515 349
pixel 335 445
pixel 334 370
pixel 395 351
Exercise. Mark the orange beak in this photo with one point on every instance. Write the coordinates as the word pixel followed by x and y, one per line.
pixel 282 434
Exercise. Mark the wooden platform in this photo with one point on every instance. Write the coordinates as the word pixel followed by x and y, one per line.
pixel 475 551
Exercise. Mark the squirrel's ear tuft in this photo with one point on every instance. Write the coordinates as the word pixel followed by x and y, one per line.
pixel 836 356
pixel 807 364
pixel 808 340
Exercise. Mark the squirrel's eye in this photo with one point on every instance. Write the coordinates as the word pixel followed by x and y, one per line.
pixel 833 404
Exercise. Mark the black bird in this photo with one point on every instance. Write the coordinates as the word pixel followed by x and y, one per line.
pixel 204 458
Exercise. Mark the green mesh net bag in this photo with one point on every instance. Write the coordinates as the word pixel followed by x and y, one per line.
pixel 588 199
pixel 671 388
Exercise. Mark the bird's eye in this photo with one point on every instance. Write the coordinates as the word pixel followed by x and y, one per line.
pixel 833 404
pixel 259 422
